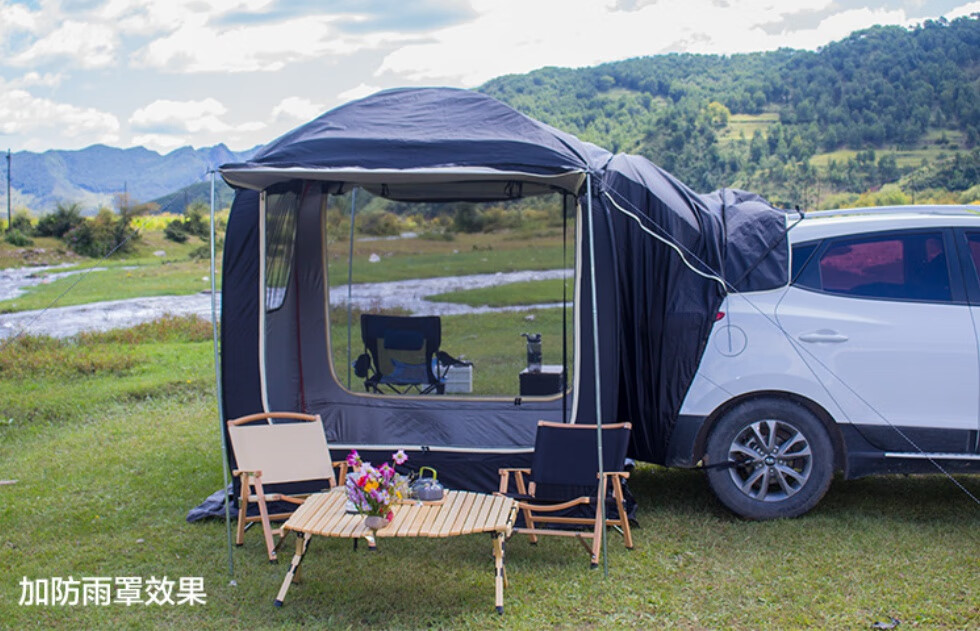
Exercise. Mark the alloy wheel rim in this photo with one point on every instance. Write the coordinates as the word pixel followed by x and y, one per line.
pixel 771 460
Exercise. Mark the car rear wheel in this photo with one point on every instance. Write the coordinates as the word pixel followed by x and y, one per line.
pixel 769 459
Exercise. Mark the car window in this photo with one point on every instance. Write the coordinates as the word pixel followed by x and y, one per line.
pixel 801 254
pixel 909 266
pixel 973 238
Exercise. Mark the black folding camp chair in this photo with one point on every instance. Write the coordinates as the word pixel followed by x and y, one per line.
pixel 402 354
pixel 564 477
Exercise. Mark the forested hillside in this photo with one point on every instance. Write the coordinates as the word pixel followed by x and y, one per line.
pixel 886 107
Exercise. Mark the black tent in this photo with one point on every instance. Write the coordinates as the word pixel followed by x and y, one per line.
pixel 663 258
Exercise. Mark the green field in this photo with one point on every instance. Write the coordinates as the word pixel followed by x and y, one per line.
pixel 481 253
pixel 113 440
pixel 745 125
pixel 511 294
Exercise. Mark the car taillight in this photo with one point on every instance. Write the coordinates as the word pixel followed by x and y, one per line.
pixel 719 315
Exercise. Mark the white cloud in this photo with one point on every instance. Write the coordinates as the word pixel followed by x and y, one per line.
pixel 575 33
pixel 16 17
pixel 161 143
pixel 165 125
pixel 23 114
pixel 86 45
pixel 963 11
pixel 197 46
pixel 357 92
pixel 296 108
pixel 162 116
pixel 46 80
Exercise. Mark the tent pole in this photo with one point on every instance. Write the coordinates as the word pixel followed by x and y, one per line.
pixel 595 360
pixel 217 381
pixel 564 307
pixel 350 281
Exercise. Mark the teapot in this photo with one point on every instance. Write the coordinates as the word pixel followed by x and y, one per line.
pixel 427 489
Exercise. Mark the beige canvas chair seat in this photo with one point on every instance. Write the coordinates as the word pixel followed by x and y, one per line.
pixel 271 453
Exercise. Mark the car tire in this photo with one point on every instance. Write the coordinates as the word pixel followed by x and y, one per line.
pixel 780 459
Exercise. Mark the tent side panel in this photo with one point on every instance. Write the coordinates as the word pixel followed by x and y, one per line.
pixel 287 328
pixel 314 357
pixel 666 311
pixel 240 309
pixel 607 299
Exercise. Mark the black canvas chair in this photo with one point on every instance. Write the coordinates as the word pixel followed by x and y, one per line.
pixel 403 355
pixel 564 476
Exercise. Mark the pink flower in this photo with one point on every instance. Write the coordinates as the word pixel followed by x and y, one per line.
pixel 353 459
pixel 399 456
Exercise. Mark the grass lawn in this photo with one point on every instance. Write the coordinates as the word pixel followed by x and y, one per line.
pixel 542 291
pixel 112 441
pixel 481 253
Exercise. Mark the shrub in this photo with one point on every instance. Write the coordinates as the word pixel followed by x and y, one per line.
pixel 175 231
pixel 380 224
pixel 201 253
pixel 17 238
pixel 469 218
pixel 104 233
pixel 197 221
pixel 64 219
pixel 22 222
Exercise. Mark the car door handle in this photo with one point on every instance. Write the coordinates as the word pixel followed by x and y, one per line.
pixel 823 336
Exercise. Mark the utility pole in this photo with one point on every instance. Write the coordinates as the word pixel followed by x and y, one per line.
pixel 9 222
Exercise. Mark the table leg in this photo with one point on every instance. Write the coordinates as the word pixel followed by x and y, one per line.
pixel 302 543
pixel 499 574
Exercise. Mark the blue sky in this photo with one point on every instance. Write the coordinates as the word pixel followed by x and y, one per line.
pixel 171 73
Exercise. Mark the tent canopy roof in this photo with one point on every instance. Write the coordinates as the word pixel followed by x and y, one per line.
pixel 425 144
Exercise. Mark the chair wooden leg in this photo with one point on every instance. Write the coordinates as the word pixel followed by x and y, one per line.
pixel 266 524
pixel 528 519
pixel 599 530
pixel 529 522
pixel 242 511
pixel 621 507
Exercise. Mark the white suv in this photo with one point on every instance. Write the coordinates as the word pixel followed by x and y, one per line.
pixel 866 362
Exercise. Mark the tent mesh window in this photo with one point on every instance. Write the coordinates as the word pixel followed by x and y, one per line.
pixel 282 208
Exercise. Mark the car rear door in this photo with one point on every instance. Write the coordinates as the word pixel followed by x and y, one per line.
pixel 883 321
pixel 968 242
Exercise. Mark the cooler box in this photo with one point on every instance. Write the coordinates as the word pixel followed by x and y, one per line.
pixel 459 380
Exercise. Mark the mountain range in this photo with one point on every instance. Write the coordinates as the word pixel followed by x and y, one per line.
pixel 94 175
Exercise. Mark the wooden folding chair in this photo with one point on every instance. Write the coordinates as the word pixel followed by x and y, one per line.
pixel 564 475
pixel 276 453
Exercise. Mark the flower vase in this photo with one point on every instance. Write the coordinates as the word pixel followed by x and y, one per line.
pixel 375 522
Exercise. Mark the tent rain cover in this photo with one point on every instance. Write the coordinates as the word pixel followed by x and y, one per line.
pixel 442 144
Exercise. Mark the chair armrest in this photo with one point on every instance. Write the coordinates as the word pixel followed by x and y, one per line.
pixel 551 508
